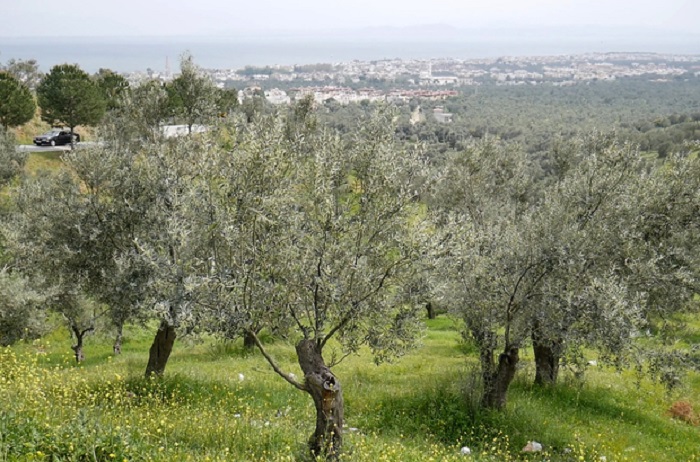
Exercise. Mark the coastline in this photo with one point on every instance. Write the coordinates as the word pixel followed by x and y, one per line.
pixel 131 54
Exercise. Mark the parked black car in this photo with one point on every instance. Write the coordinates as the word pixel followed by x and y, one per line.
pixel 55 138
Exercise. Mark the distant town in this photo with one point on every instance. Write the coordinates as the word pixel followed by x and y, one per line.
pixel 402 80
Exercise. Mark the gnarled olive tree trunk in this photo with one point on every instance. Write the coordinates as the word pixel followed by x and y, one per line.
pixel 497 377
pixel 547 357
pixel 249 338
pixel 78 347
pixel 327 394
pixel 248 341
pixel 431 310
pixel 160 349
pixel 117 347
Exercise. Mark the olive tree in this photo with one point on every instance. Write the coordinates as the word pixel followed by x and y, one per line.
pixel 563 264
pixel 317 238
pixel 99 233
pixel 86 229
pixel 355 232
pixel 49 243
pixel 109 226
pixel 11 160
pixel 193 96
pixel 21 313
pixel 521 260
pixel 583 217
pixel 486 266
pixel 626 233
pixel 247 177
pixel 138 117
pixel 664 260
pixel 26 71
pixel 226 101
pixel 118 196
pixel 56 235
pixel 169 250
pixel 12 163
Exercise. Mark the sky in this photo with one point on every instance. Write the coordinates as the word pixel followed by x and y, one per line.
pixel 40 18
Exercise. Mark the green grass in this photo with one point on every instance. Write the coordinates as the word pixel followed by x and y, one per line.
pixel 413 410
pixel 26 133
pixel 43 161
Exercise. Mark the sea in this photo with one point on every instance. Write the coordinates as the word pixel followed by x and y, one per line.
pixel 132 54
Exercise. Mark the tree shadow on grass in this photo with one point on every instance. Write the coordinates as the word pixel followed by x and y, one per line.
pixel 551 414
pixel 423 410
pixel 584 403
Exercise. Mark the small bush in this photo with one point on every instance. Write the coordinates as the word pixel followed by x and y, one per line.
pixel 683 411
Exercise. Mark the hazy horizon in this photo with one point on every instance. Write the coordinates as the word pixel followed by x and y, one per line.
pixel 32 18
pixel 138 54
pixel 127 54
pixel 135 34
pixel 422 30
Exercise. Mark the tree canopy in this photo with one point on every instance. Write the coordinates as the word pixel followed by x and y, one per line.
pixel 112 86
pixel 572 261
pixel 11 160
pixel 26 71
pixel 193 96
pixel 68 96
pixel 333 241
pixel 17 104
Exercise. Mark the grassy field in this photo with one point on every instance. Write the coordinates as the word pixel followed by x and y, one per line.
pixel 26 133
pixel 219 403
pixel 43 161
